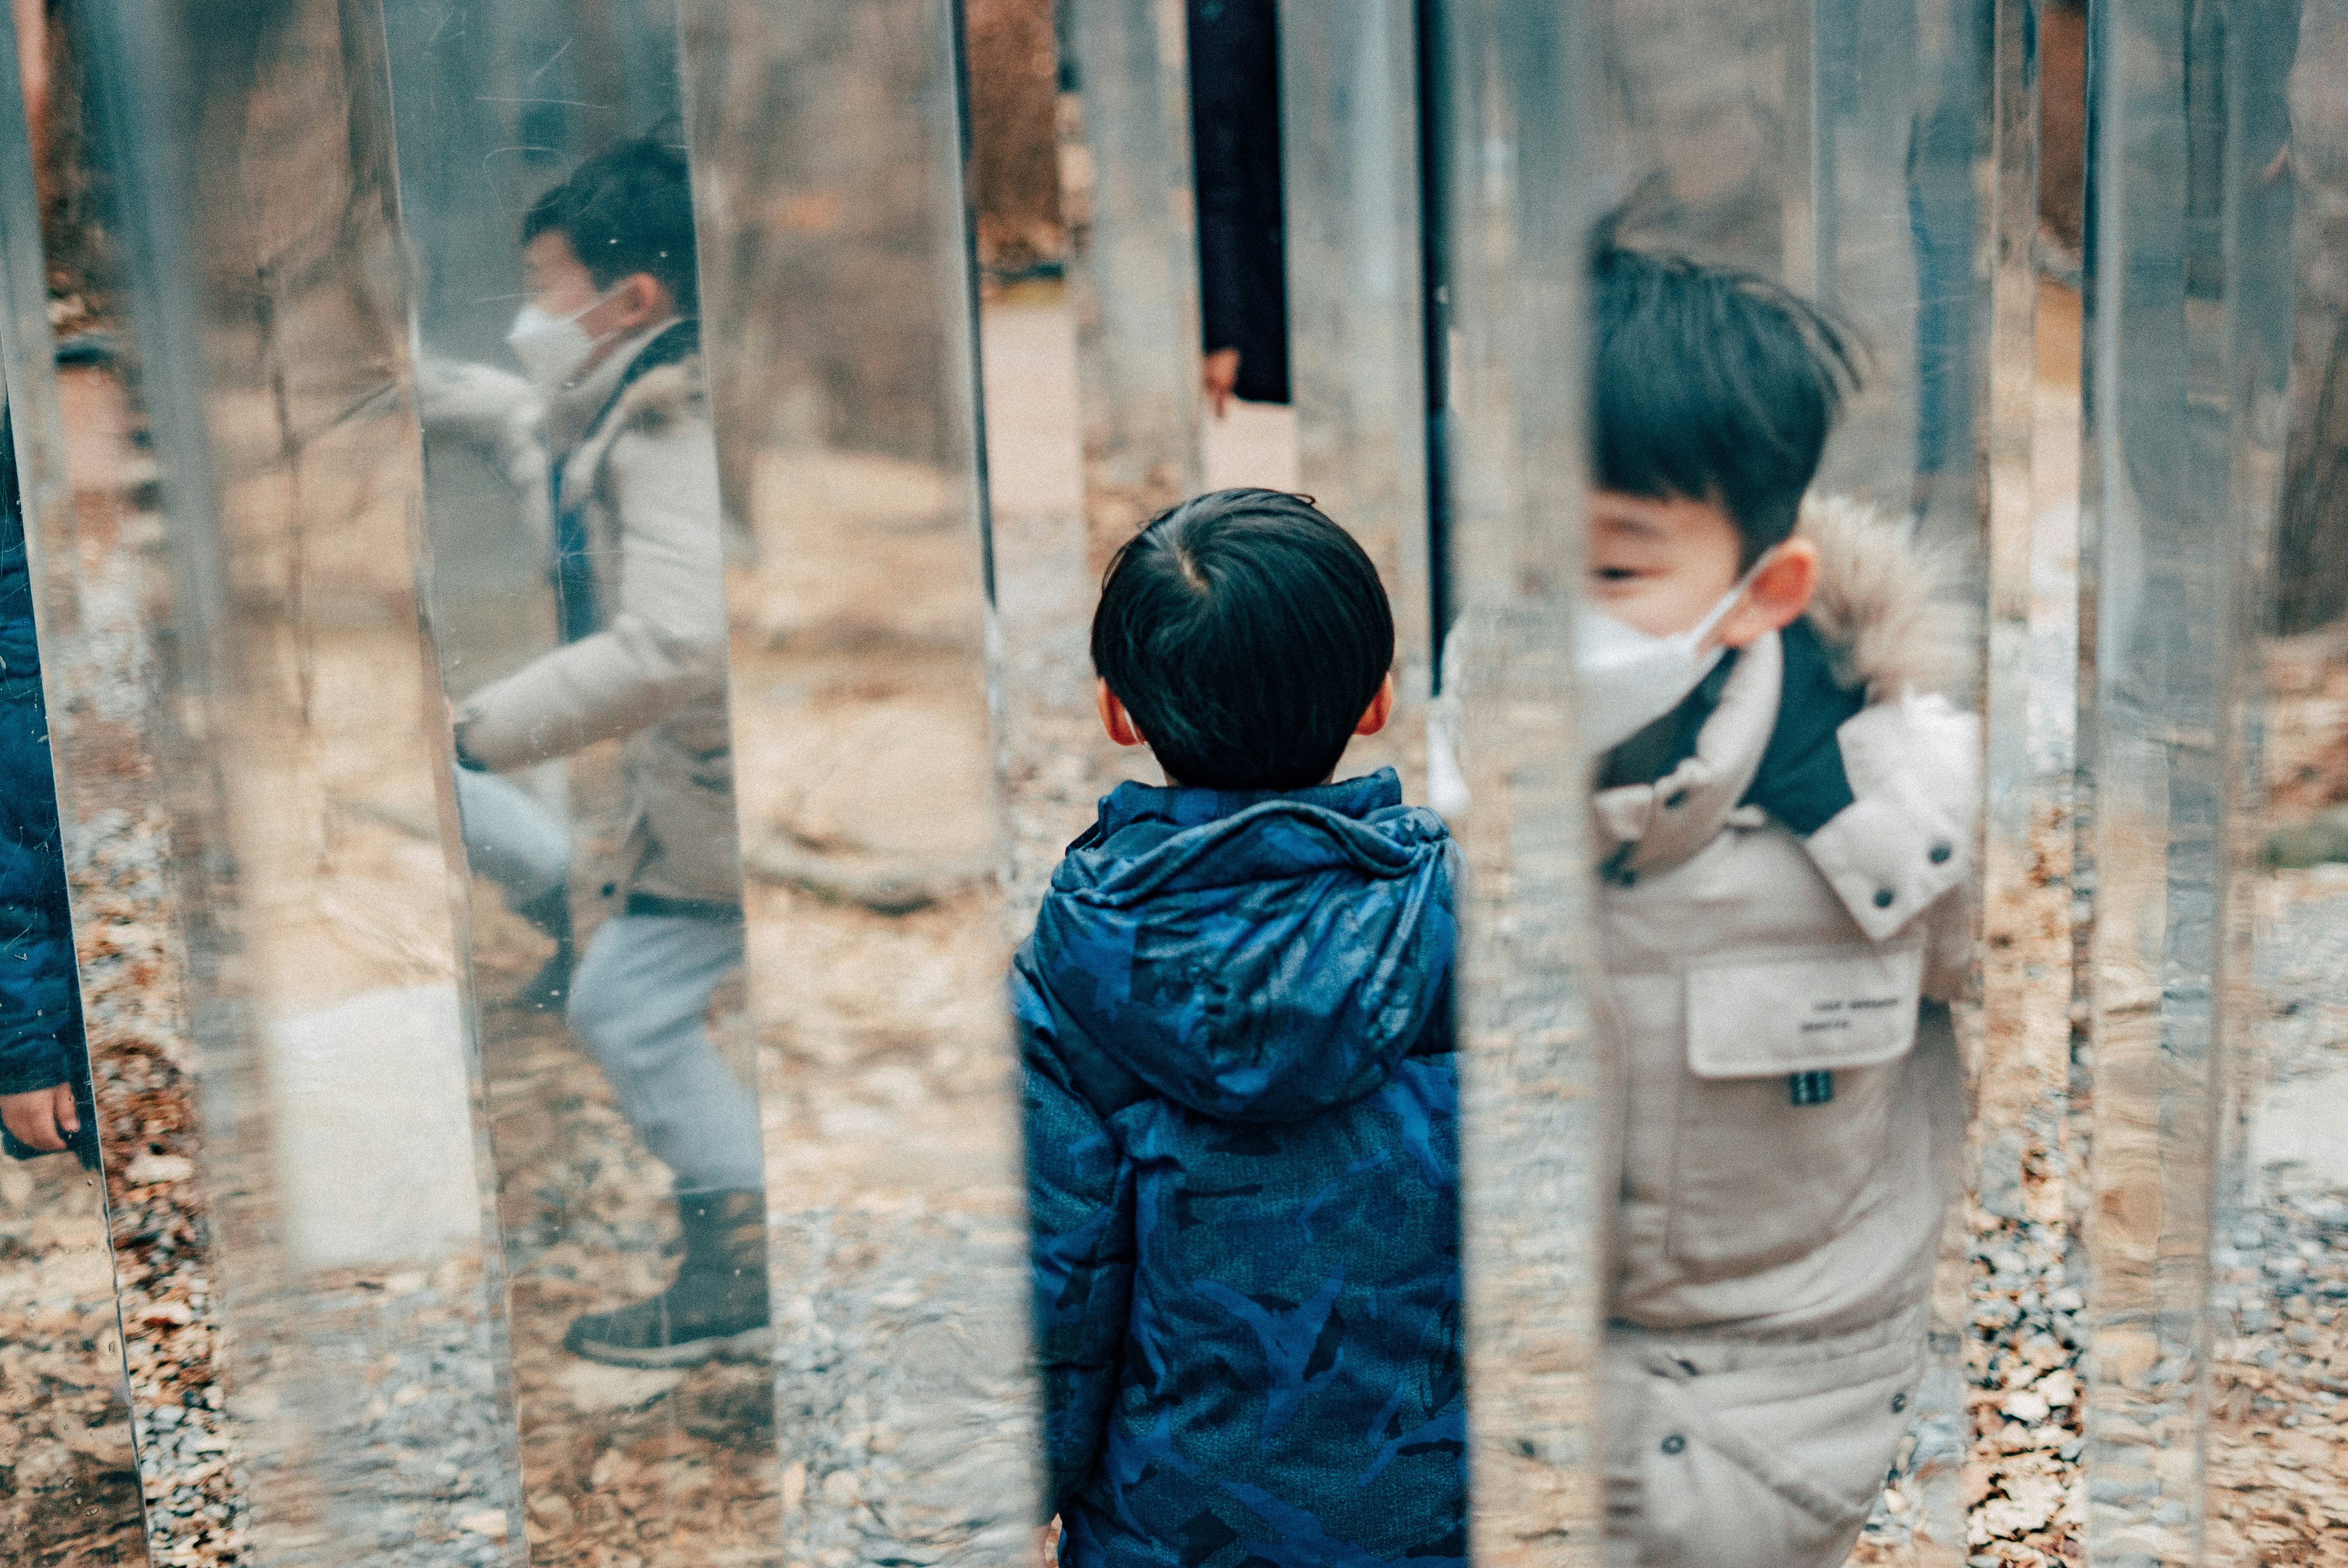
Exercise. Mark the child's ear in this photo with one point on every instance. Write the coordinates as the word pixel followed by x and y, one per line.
pixel 1114 718
pixel 641 299
pixel 1381 709
pixel 1776 598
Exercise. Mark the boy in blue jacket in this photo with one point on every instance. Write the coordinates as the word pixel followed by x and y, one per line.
pixel 1241 1113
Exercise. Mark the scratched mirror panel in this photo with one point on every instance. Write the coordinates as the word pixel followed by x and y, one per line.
pixel 73 1483
pixel 1839 156
pixel 2278 1229
pixel 579 539
pixel 271 967
pixel 829 170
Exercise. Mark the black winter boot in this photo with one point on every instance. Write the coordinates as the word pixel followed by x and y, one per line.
pixel 548 990
pixel 716 1308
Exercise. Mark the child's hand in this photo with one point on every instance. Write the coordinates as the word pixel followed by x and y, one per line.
pixel 43 1118
pixel 1218 374
pixel 1048 1546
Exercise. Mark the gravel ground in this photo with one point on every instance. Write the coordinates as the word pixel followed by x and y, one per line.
pixel 2278 1450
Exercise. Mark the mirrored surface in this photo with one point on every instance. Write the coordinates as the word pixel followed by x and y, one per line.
pixel 543 908
pixel 576 535
pixel 2276 1241
pixel 284 1058
pixel 73 1484
pixel 2184 370
pixel 837 253
pixel 1535 1090
pixel 1843 153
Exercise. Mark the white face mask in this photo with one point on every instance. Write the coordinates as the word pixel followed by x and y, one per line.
pixel 551 348
pixel 1631 677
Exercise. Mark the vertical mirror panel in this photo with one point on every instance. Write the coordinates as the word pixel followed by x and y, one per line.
pixel 1826 178
pixel 72 1484
pixel 828 155
pixel 578 539
pixel 1356 310
pixel 2189 351
pixel 2018 1298
pixel 1535 1095
pixel 1092 370
pixel 2279 1240
pixel 285 1064
pixel 87 474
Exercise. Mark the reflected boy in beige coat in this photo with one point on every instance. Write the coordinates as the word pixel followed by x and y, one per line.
pixel 1785 824
pixel 611 448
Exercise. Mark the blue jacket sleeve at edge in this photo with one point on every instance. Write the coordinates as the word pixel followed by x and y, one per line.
pixel 1080 1197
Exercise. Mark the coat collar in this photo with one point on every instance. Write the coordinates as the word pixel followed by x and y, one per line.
pixel 626 395
pixel 1908 760
pixel 1643 829
pixel 570 412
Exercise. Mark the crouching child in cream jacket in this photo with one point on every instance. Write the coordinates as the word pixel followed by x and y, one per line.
pixel 1784 819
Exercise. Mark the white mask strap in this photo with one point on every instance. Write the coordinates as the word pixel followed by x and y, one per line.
pixel 1719 612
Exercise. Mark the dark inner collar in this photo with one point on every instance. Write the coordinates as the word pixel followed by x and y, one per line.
pixel 1800 781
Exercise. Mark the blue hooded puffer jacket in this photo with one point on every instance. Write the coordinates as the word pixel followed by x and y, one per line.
pixel 40 1014
pixel 1243 1182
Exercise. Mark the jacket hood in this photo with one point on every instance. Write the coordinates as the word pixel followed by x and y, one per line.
pixel 1884 605
pixel 1256 958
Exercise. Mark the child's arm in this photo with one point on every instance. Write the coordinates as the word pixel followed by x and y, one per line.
pixel 1080 1198
pixel 498 412
pixel 664 645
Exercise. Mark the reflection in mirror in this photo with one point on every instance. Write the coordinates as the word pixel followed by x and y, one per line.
pixel 2189 340
pixel 72 1494
pixel 1349 98
pixel 836 245
pixel 578 537
pixel 2278 1235
pixel 2018 1292
pixel 1513 98
pixel 1789 966
pixel 255 794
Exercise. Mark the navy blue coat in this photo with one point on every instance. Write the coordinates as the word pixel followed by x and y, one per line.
pixel 40 1017
pixel 1243 1182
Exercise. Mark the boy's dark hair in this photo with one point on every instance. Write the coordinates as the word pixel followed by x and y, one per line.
pixel 625 212
pixel 1711 384
pixel 1246 635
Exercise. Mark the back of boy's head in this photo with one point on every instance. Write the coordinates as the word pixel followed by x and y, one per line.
pixel 1711 384
pixel 1246 635
pixel 625 211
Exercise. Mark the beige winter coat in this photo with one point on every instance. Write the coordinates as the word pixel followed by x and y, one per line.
pixel 1772 1258
pixel 654 673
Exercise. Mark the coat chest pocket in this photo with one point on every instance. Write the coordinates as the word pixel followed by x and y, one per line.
pixel 1787 1110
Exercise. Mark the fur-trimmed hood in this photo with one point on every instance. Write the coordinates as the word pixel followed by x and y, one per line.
pixel 586 419
pixel 1885 601
pixel 662 396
